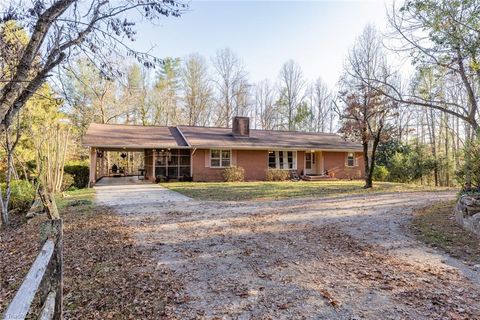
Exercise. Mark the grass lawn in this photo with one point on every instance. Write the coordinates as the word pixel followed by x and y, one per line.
pixel 234 191
pixel 436 226
pixel 79 196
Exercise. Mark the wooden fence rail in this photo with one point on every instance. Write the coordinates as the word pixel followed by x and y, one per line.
pixel 44 278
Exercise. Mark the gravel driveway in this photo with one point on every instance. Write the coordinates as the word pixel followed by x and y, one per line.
pixel 346 257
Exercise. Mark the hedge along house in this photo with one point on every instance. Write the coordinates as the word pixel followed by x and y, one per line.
pixel 201 153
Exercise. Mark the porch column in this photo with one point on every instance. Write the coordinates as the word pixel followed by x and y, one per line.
pixel 153 165
pixel 102 163
pixel 319 162
pixel 93 167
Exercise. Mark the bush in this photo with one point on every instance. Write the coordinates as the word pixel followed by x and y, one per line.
pixel 411 167
pixel 67 182
pixel 469 171
pixel 80 174
pixel 380 173
pixel 233 174
pixel 22 195
pixel 277 175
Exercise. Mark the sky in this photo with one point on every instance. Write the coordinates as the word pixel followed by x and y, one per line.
pixel 265 34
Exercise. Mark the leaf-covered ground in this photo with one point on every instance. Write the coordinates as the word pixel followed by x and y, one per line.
pixel 436 226
pixel 344 257
pixel 164 256
pixel 106 276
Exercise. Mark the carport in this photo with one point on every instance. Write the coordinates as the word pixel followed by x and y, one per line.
pixel 162 150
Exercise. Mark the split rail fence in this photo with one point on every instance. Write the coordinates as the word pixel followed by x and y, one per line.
pixel 44 279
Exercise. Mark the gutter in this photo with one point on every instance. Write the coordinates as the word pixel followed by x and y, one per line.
pixel 135 147
pixel 279 148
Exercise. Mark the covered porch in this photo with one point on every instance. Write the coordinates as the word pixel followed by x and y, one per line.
pixel 119 164
pixel 315 167
pixel 314 163
pixel 139 165
pixel 148 153
pixel 331 164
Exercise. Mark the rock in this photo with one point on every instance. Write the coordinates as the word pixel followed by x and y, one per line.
pixel 32 214
pixel 81 202
pixel 476 267
pixel 467 212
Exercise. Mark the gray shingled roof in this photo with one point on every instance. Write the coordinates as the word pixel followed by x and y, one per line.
pixel 205 137
pixel 130 136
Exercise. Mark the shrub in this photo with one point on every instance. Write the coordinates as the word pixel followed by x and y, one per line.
pixel 277 175
pixel 469 171
pixel 380 173
pixel 67 182
pixel 22 195
pixel 80 174
pixel 233 174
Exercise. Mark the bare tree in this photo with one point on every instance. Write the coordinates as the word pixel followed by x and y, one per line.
pixel 441 34
pixel 92 97
pixel 323 106
pixel 230 79
pixel 61 29
pixel 197 91
pixel 292 90
pixel 265 109
pixel 365 109
pixel 241 98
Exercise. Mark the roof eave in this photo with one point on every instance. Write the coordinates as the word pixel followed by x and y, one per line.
pixel 301 148
pixel 134 147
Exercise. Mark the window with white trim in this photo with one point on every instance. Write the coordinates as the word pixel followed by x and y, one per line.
pixel 272 160
pixel 220 158
pixel 350 159
pixel 282 159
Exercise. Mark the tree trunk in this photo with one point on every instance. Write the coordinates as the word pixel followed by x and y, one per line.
pixel 368 174
pixel 368 180
pixel 9 149
pixel 49 203
pixel 371 168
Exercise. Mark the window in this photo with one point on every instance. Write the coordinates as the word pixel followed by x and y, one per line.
pixel 271 160
pixel 309 160
pixel 350 159
pixel 290 159
pixel 282 160
pixel 220 158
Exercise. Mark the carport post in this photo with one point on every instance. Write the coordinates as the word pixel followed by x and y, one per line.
pixel 93 167
pixel 154 177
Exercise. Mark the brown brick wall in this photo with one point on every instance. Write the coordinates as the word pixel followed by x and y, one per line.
pixel 334 163
pixel 300 162
pixel 200 172
pixel 255 162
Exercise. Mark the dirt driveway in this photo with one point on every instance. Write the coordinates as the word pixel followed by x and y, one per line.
pixel 336 258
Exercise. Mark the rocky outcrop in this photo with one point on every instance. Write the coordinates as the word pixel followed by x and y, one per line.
pixel 467 212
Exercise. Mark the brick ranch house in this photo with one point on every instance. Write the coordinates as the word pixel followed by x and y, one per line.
pixel 201 153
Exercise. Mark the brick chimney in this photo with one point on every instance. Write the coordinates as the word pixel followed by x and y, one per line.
pixel 241 126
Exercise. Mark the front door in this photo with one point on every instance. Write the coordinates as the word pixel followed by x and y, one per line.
pixel 309 162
